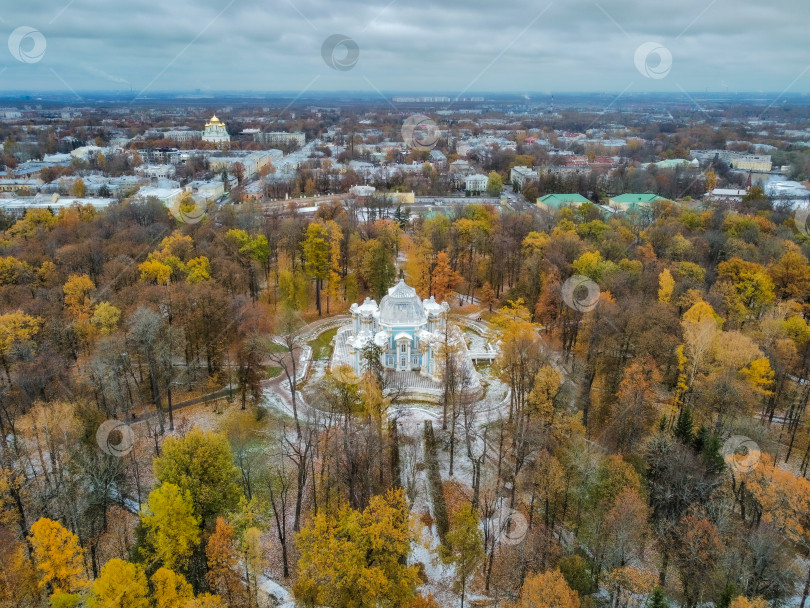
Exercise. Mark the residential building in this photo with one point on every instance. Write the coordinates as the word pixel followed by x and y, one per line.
pixel 727 195
pixel 518 176
pixel 280 137
pixel 736 160
pixel 208 190
pixel 156 171
pixel 167 196
pixel 476 183
pixel 182 135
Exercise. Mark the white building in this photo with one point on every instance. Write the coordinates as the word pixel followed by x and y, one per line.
pixel 362 190
pixel 520 175
pixel 167 196
pixel 280 137
pixel 156 171
pixel 183 135
pixel 216 132
pixel 208 190
pixel 476 183
pixel 727 195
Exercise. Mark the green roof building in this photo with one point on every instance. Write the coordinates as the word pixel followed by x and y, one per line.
pixel 555 201
pixel 624 202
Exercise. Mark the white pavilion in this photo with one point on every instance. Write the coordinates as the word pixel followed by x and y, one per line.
pixel 406 329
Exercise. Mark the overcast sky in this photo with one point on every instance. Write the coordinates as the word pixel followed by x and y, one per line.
pixel 450 46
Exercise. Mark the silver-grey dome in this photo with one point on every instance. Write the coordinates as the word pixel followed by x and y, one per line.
pixel 402 306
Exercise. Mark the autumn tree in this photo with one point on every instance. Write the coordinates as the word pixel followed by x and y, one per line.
pixel 201 464
pixel 58 557
pixel 171 590
pixel 120 584
pixel 444 279
pixel 546 590
pixel 223 564
pixel 316 256
pixel 358 559
pixel 172 529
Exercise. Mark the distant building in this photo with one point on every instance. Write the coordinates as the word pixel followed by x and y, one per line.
pixel 736 160
pixel 520 175
pixel 727 195
pixel 18 206
pixel 20 185
pixel 167 196
pixel 216 132
pixel 160 155
pixel 362 191
pixel 623 202
pixel 552 202
pixel 462 167
pixel 476 183
pixel 438 159
pixel 183 135
pixel 208 190
pixel 156 171
pixel 280 137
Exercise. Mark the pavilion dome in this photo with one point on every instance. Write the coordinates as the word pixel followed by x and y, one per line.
pixel 402 306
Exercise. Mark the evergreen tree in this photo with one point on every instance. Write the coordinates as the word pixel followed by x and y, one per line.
pixel 684 426
pixel 658 599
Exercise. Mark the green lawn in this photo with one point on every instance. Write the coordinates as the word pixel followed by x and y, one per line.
pixel 275 347
pixel 273 371
pixel 322 345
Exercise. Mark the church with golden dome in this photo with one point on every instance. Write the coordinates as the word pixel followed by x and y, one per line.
pixel 216 132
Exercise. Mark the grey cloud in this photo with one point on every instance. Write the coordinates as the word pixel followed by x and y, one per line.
pixel 417 45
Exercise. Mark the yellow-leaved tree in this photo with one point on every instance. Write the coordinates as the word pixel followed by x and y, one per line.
pixel 201 463
pixel 546 590
pixel 172 529
pixel 666 285
pixel 77 296
pixel 58 556
pixel 120 584
pixel 358 560
pixel 171 590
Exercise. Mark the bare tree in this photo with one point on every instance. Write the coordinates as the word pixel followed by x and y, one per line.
pixel 292 341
